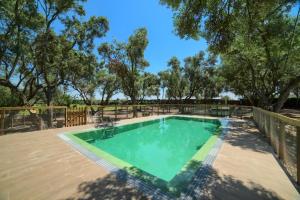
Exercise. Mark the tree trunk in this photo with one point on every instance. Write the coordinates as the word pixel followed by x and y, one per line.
pixel 297 96
pixel 2 120
pixel 133 101
pixel 108 97
pixel 102 96
pixel 285 94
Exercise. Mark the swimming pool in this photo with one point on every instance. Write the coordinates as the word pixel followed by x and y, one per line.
pixel 163 151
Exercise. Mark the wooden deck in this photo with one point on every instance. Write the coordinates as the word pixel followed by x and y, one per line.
pixel 39 165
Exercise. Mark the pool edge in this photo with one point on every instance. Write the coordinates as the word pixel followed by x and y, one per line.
pixel 115 166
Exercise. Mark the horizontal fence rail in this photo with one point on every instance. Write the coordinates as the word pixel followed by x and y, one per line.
pixel 283 133
pixel 23 119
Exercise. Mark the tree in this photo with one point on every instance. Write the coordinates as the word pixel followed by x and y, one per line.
pixel 149 86
pixel 296 92
pixel 258 42
pixel 267 69
pixel 34 57
pixel 163 77
pixel 212 83
pixel 20 22
pixel 54 52
pixel 7 98
pixel 62 98
pixel 198 77
pixel 177 82
pixel 85 76
pixel 200 73
pixel 128 62
pixel 109 86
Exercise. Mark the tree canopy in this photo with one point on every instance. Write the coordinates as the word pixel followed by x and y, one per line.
pixel 197 78
pixel 257 43
pixel 35 58
pixel 253 51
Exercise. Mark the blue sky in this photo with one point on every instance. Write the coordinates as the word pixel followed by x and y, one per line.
pixel 126 16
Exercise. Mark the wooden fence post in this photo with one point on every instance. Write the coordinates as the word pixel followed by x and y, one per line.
pixel 86 114
pixel 127 110
pixel 298 153
pixel 281 140
pixel 2 122
pixel 66 117
pixel 116 111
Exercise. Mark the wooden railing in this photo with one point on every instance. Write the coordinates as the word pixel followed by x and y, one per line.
pixel 283 133
pixel 21 119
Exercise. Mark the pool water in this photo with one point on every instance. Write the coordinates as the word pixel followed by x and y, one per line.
pixel 159 147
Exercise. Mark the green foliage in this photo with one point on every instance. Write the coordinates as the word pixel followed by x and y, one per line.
pixel 19 21
pixel 177 82
pixel 150 85
pixel 127 61
pixel 258 42
pixel 62 98
pixel 163 77
pixel 198 77
pixel 34 58
pixel 7 98
pixel 265 64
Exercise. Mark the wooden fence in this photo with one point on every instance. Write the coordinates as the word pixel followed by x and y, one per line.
pixel 283 133
pixel 22 119
pixel 76 116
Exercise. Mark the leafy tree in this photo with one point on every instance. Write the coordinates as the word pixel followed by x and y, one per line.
pixel 296 92
pixel 177 82
pixel 258 42
pixel 128 62
pixel 192 69
pixel 200 73
pixel 198 77
pixel 212 83
pixel 267 68
pixel 109 86
pixel 33 57
pixel 19 21
pixel 61 97
pixel 150 84
pixel 163 77
pixel 54 52
pixel 85 78
pixel 7 98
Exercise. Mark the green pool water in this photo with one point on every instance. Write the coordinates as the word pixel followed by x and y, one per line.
pixel 159 147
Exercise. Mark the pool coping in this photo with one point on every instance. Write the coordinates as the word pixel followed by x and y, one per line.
pixel 149 189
